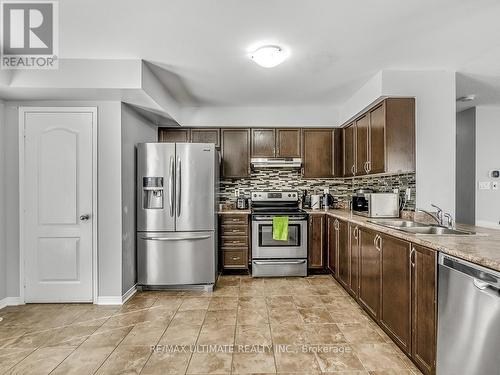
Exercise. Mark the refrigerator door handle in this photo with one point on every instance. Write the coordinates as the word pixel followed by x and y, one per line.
pixel 171 187
pixel 175 238
pixel 178 187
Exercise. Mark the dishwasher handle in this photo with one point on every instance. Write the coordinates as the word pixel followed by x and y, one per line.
pixel 482 278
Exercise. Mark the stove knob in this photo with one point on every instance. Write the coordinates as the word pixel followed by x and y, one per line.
pixel 289 195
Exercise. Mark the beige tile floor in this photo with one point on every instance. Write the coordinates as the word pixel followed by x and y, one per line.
pixel 266 326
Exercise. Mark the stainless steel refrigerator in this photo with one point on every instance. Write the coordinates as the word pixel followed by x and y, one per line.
pixel 176 214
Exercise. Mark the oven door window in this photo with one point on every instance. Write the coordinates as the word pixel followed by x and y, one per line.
pixel 266 236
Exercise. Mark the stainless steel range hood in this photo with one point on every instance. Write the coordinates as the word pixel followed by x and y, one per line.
pixel 260 163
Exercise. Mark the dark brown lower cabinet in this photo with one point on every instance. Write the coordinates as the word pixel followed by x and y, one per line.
pixel 331 244
pixel 369 272
pixel 354 261
pixel 316 257
pixel 343 258
pixel 424 308
pixel 395 312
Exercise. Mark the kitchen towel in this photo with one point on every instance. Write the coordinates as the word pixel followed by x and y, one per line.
pixel 280 228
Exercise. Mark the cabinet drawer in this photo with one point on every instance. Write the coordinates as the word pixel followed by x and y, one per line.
pixel 235 259
pixel 234 242
pixel 234 230
pixel 234 219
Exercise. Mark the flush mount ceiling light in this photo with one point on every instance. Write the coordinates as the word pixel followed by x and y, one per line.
pixel 268 56
pixel 467 98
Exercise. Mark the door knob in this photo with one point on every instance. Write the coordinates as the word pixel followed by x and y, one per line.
pixel 84 217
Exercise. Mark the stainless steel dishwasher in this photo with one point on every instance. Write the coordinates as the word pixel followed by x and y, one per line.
pixel 468 318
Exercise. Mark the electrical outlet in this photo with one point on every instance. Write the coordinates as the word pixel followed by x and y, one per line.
pixel 395 191
pixel 494 185
pixel 236 193
pixel 484 185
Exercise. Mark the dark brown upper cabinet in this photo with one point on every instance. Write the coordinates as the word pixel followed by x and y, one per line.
pixel 317 145
pixel 263 143
pixel 235 152
pixel 206 136
pixel 288 143
pixel 362 145
pixel 338 153
pixel 173 135
pixel 376 160
pixel 349 133
pixel 382 140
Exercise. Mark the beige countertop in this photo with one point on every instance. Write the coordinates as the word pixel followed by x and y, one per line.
pixel 482 248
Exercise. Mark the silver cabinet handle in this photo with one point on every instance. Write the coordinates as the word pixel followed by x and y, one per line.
pixel 171 186
pixel 175 238
pixel 365 167
pixel 235 258
pixel 379 243
pixel 84 217
pixel 178 187
pixel 352 170
pixel 355 233
pixel 412 254
pixel 368 166
pixel 375 241
pixel 336 225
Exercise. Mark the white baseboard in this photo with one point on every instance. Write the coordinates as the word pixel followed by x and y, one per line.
pixel 10 301
pixel 487 224
pixel 116 300
pixel 129 293
pixel 109 300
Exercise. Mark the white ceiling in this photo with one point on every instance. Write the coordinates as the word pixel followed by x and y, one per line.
pixel 335 45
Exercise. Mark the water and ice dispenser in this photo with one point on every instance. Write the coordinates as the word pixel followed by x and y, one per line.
pixel 152 192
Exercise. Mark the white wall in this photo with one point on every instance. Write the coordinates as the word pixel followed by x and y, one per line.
pixel 109 194
pixel 434 93
pixel 296 116
pixel 435 131
pixel 135 129
pixel 466 167
pixel 3 270
pixel 487 158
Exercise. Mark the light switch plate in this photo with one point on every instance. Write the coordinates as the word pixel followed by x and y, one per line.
pixel 484 185
pixel 236 193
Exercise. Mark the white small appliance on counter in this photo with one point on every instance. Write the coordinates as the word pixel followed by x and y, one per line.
pixel 375 205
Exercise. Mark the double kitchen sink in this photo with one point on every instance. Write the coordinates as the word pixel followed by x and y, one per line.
pixel 409 226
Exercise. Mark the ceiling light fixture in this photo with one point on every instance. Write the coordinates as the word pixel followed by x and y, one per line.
pixel 467 98
pixel 268 56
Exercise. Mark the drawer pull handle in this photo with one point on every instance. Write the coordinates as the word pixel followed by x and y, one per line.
pixel 235 258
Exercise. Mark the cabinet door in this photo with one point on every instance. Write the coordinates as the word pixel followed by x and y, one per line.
pixel 362 145
pixel 263 143
pixel 424 310
pixel 316 241
pixel 288 143
pixel 395 312
pixel 369 272
pixel 235 152
pixel 343 251
pixel 377 140
pixel 349 150
pixel 331 244
pixel 206 136
pixel 338 153
pixel 354 254
pixel 173 135
pixel 317 146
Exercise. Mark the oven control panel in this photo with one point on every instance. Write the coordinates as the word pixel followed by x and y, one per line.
pixel 283 196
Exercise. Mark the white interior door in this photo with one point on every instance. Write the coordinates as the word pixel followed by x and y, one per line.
pixel 58 205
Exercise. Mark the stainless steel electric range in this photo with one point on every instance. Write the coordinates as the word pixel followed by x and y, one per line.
pixel 278 258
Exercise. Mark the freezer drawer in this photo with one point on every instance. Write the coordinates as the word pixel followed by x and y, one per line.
pixel 176 258
pixel 281 267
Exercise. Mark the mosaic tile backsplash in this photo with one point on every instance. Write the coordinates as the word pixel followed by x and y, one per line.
pixel 342 189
